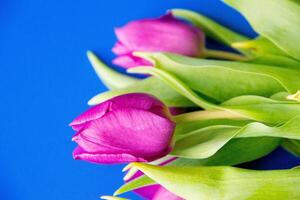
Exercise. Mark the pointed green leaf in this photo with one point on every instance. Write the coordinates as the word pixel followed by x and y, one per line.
pixel 263 109
pixel 112 198
pixel 149 85
pixel 276 20
pixel 234 78
pixel 292 146
pixel 225 183
pixel 205 142
pixel 276 60
pixel 211 28
pixel 236 151
pixel 260 45
pixel 249 107
pixel 111 78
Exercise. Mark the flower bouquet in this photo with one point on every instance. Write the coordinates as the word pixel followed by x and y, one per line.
pixel 198 112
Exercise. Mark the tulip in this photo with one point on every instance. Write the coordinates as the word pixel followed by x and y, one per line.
pixel 164 34
pixel 126 128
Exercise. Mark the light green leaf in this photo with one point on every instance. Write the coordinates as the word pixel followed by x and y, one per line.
pixel 112 198
pixel 260 45
pixel 236 151
pixel 205 142
pixel 234 78
pixel 263 109
pixel 149 85
pixel 276 60
pixel 249 107
pixel 176 84
pixel 211 28
pixel 292 146
pixel 225 183
pixel 276 20
pixel 111 78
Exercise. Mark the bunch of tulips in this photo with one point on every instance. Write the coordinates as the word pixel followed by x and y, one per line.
pixel 199 111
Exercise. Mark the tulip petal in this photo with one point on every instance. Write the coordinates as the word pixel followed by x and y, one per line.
pixel 120 49
pixel 134 100
pixel 163 34
pixel 80 154
pixel 93 113
pixel 128 61
pixel 136 132
pixel 140 101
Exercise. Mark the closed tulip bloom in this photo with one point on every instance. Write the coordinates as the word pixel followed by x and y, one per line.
pixel 126 128
pixel 164 34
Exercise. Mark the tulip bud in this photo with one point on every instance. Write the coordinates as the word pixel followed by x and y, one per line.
pixel 164 34
pixel 126 128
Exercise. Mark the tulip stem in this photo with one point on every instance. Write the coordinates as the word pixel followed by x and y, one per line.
pixel 209 53
pixel 206 115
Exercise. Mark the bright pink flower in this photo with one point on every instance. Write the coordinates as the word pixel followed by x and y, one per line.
pixel 126 128
pixel 164 34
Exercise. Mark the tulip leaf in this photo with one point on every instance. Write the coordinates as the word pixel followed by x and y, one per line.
pixel 211 28
pixel 149 85
pixel 292 146
pixel 205 142
pixel 176 84
pixel 259 45
pixel 112 198
pixel 236 151
pixel 111 78
pixel 263 109
pixel 276 60
pixel 234 78
pixel 225 183
pixel 248 107
pixel 276 20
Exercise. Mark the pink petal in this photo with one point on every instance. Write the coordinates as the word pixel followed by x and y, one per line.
pixel 140 101
pixel 163 193
pixel 163 34
pixel 93 113
pixel 80 154
pixel 129 61
pixel 136 132
pixel 132 100
pixel 120 49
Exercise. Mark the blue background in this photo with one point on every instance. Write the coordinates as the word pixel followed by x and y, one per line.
pixel 46 81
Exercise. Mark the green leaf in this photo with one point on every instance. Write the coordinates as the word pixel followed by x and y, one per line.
pixel 112 198
pixel 236 151
pixel 234 78
pixel 276 60
pixel 111 78
pixel 260 45
pixel 176 84
pixel 225 183
pixel 292 146
pixel 211 28
pixel 205 142
pixel 149 85
pixel 276 20
pixel 249 107
pixel 263 109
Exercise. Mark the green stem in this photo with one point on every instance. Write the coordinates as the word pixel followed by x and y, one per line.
pixel 206 115
pixel 209 53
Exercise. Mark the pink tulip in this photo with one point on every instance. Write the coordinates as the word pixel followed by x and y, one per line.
pixel 126 128
pixel 164 34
